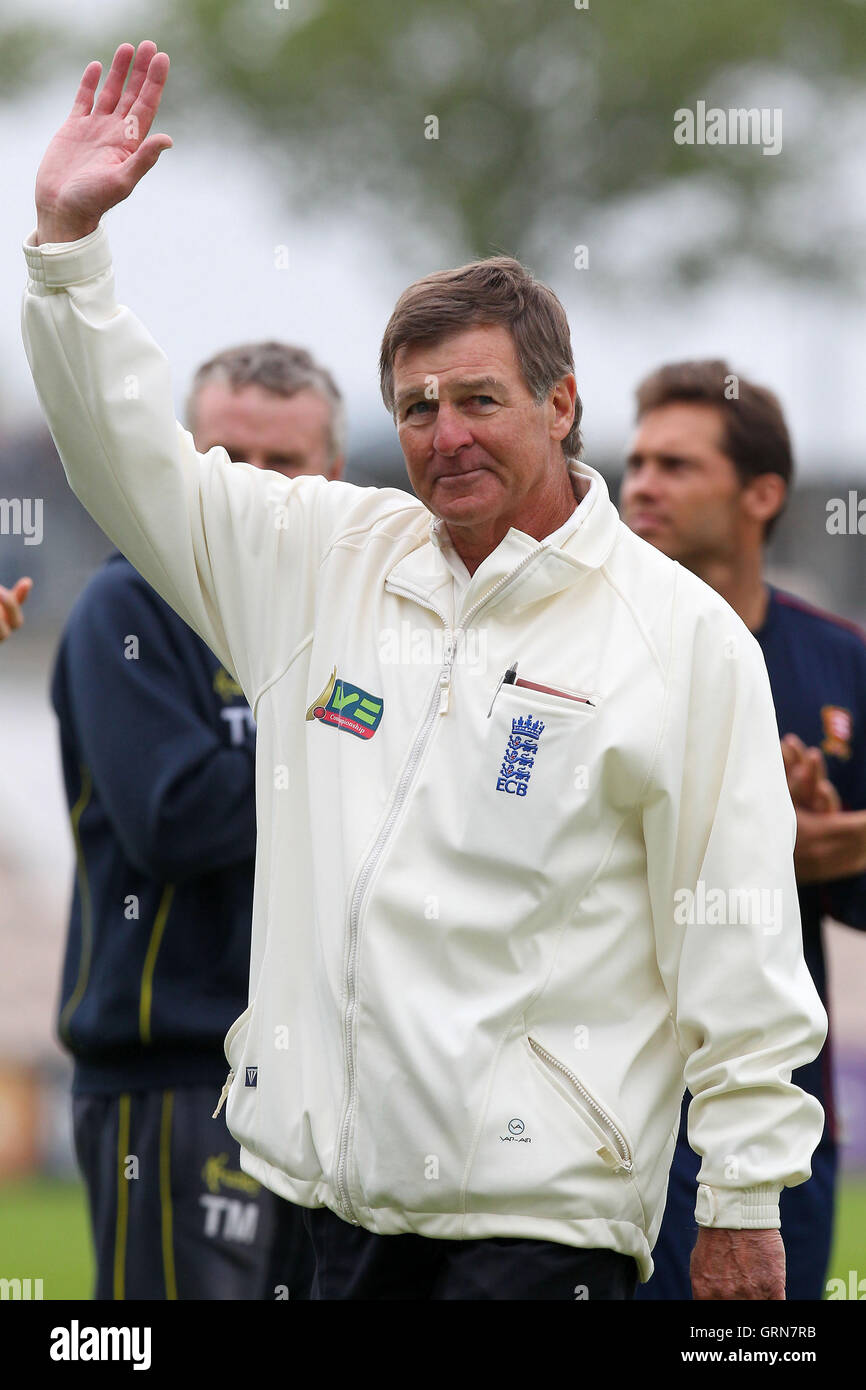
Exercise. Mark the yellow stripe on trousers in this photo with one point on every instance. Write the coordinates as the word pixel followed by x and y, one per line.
pixel 123 1110
pixel 165 1195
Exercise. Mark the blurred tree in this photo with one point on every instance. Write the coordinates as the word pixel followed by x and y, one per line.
pixel 531 126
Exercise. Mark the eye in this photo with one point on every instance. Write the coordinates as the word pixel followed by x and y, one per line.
pixel 484 400
pixel 419 408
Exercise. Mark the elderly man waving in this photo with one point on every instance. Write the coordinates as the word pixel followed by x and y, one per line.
pixel 525 853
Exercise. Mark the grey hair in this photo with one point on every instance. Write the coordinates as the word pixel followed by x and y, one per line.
pixel 278 367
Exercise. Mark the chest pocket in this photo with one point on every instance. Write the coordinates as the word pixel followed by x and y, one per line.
pixel 526 784
pixel 530 734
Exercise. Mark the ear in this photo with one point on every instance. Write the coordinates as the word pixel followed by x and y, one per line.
pixel 764 497
pixel 561 400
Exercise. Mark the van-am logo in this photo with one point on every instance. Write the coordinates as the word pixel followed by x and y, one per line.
pixel 347 707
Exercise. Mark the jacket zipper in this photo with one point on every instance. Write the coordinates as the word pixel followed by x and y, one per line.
pixel 355 914
pixel 451 643
pixel 438 705
pixel 223 1093
pixel 621 1152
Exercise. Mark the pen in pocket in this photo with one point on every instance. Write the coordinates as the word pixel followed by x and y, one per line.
pixel 511 678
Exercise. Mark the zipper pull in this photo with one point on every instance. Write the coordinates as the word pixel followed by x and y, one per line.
pixel 444 691
pixel 613 1160
pixel 445 674
pixel 223 1093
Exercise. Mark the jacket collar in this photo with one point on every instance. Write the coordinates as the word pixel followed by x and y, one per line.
pixel 540 570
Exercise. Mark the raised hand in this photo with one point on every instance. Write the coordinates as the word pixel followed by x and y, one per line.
pixel 103 148
pixel 808 783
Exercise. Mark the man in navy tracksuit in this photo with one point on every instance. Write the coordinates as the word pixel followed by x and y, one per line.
pixel 158 751
pixel 705 481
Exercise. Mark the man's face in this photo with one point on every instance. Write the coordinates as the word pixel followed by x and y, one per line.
pixel 475 441
pixel 288 434
pixel 680 491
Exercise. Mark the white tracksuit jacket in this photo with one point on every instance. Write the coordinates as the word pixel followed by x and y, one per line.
pixel 490 946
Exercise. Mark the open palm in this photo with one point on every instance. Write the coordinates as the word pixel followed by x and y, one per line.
pixel 103 148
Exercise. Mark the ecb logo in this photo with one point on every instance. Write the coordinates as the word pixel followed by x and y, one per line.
pixel 519 757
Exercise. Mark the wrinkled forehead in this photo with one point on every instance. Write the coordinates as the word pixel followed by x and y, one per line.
pixel 483 352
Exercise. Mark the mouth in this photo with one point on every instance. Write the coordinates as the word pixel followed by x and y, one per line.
pixel 468 476
pixel 646 521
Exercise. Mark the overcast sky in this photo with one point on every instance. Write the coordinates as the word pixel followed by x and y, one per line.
pixel 194 250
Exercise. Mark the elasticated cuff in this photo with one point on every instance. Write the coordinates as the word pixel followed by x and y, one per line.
pixel 57 264
pixel 739 1209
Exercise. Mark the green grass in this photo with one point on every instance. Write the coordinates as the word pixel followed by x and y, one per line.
pixel 44 1234
pixel 849 1245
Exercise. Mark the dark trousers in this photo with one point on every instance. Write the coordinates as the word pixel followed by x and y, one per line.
pixel 172 1214
pixel 352 1263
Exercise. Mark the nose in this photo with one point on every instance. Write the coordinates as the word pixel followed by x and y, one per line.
pixel 642 484
pixel 450 434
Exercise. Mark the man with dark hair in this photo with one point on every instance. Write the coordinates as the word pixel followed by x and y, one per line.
pixel 158 748
pixel 474 996
pixel 752 427
pixel 706 480
pixel 498 290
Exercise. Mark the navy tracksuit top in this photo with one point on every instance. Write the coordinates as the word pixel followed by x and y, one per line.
pixel 817 668
pixel 158 751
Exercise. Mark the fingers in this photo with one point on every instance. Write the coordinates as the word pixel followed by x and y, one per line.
pixel 84 96
pixel 800 782
pixel 148 152
pixel 810 767
pixel 808 783
pixel 145 51
pixel 110 93
pixel 806 772
pixel 817 758
pixel 827 800
pixel 803 781
pixel 793 746
pixel 145 107
pixel 11 616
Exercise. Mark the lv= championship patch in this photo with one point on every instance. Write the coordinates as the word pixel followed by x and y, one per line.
pixel 347 707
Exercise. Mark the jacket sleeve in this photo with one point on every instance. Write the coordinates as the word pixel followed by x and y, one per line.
pixel 179 800
pixel 233 549
pixel 719 828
